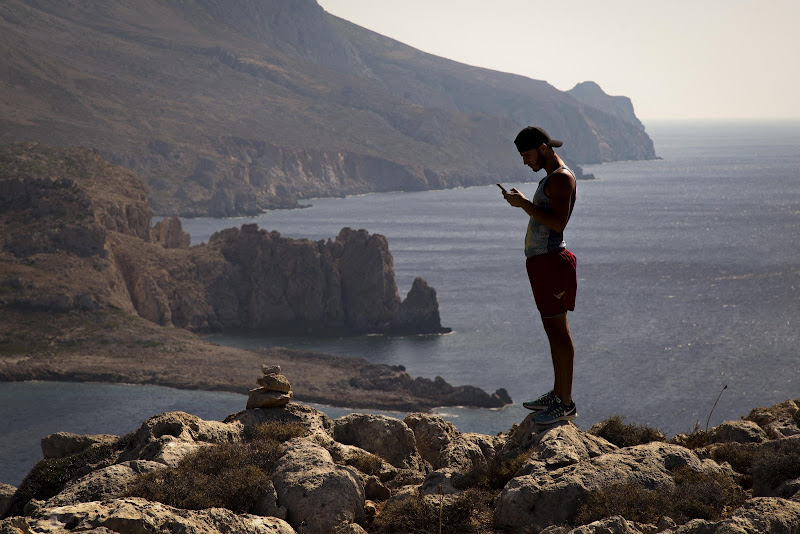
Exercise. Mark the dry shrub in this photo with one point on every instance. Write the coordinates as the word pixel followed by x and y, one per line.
pixel 776 462
pixel 366 462
pixel 469 512
pixel 693 440
pixel 503 471
pixel 278 431
pixel 624 434
pixel 229 475
pixel 694 496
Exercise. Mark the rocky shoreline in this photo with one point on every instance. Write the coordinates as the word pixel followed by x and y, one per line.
pixel 292 469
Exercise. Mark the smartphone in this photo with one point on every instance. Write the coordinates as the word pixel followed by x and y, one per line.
pixel 503 188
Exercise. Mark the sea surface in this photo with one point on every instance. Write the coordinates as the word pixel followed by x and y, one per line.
pixel 688 281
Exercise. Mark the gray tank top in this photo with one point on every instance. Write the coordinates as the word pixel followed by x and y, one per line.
pixel 541 239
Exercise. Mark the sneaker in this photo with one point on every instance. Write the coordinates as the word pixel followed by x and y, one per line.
pixel 558 411
pixel 542 403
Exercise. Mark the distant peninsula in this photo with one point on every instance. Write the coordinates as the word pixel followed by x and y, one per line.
pixel 231 108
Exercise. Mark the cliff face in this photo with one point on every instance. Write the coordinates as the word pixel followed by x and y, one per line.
pixel 232 108
pixel 77 235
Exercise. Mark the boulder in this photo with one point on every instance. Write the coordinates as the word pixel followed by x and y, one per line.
pixel 315 491
pixel 552 497
pixel 389 438
pixel 169 233
pixel 314 421
pixel 779 420
pixel 761 515
pixel 135 515
pixel 167 437
pixel 102 484
pixel 7 492
pixel 275 382
pixel 738 432
pixel 63 444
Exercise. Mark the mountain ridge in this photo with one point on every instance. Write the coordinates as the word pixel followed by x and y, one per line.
pixel 229 109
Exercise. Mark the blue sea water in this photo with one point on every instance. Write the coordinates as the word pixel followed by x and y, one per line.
pixel 689 280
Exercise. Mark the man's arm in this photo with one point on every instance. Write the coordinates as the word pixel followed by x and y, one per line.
pixel 562 187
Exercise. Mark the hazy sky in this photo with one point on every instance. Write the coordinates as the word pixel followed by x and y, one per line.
pixel 674 59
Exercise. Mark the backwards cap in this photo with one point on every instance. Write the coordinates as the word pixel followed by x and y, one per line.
pixel 532 137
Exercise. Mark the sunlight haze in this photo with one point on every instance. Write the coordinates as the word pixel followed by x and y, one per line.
pixel 680 59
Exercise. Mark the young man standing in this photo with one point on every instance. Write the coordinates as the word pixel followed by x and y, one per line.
pixel 551 267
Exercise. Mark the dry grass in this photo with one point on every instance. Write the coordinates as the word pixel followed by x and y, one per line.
pixel 468 512
pixel 622 434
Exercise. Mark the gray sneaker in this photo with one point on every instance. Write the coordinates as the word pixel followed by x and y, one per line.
pixel 558 411
pixel 542 403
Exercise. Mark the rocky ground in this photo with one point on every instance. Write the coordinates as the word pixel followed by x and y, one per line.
pixel 292 469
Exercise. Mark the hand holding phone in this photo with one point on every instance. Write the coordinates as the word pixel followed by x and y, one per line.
pixel 502 188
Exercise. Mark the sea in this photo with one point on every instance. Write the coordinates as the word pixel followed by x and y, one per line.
pixel 687 312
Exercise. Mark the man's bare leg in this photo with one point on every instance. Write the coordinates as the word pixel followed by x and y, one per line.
pixel 562 352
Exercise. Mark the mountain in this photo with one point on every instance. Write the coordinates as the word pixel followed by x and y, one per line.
pixel 590 94
pixel 229 108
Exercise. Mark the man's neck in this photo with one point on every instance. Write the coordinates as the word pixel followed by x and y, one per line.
pixel 551 164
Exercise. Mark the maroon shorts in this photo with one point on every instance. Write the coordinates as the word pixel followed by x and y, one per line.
pixel 554 281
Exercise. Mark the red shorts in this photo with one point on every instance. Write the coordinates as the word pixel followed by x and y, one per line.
pixel 554 281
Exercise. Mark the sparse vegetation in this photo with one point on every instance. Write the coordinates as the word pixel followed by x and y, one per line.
pixel 695 495
pixel 229 475
pixel 622 434
pixel 503 471
pixel 466 512
pixel 775 462
pixel 366 462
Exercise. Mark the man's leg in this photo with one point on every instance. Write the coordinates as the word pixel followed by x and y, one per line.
pixel 562 351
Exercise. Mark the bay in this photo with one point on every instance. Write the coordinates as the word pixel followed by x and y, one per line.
pixel 689 280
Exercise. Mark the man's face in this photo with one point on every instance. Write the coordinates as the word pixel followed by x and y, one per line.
pixel 533 159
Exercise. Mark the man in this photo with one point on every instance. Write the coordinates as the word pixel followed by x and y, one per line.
pixel 551 267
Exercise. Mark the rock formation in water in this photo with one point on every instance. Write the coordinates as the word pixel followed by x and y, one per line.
pixel 229 108
pixel 293 469
pixel 77 236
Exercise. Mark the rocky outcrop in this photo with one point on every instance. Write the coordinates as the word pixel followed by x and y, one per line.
pixel 274 391
pixel 590 94
pixel 372 473
pixel 86 222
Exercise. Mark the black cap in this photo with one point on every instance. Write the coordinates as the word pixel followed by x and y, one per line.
pixel 533 136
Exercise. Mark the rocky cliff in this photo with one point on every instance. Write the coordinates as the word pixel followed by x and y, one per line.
pixel 77 236
pixel 292 469
pixel 232 108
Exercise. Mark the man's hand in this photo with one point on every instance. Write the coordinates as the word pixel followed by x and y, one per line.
pixel 515 198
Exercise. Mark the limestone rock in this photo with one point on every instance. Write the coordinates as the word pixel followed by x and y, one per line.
pixel 737 431
pixel 134 515
pixel 63 444
pixel 419 312
pixel 552 497
pixel 102 484
pixel 315 491
pixel 782 419
pixel 387 437
pixel 265 398
pixel 314 421
pixel 761 515
pixel 275 382
pixel 7 491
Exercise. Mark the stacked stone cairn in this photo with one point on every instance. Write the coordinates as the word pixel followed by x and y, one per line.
pixel 275 390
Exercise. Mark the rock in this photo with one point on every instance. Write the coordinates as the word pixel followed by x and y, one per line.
pixel 314 421
pixel 780 420
pixel 389 438
pixel 276 382
pixel 552 497
pixel 265 398
pixel 419 312
pixel 7 492
pixel 268 504
pixel 169 233
pixel 432 435
pixel 134 515
pixel 738 432
pixel 63 444
pixel 374 490
pixel 102 484
pixel 271 369
pixel 761 515
pixel 316 492
pixel 167 437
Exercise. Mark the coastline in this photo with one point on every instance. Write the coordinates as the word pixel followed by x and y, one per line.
pixel 118 348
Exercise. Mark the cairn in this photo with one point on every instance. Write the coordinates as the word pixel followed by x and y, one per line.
pixel 275 389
